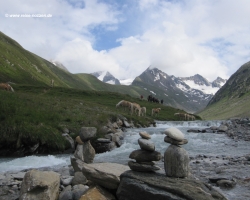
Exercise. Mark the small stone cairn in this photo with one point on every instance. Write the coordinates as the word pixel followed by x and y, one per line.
pixel 84 150
pixel 176 159
pixel 145 156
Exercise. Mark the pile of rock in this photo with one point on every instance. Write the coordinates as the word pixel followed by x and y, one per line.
pixel 84 150
pixel 145 156
pixel 176 159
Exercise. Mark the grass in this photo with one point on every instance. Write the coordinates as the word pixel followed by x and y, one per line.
pixel 38 114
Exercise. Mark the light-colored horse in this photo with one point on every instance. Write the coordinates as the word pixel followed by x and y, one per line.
pixel 126 105
pixel 182 116
pixel 143 111
pixel 6 86
pixel 137 109
pixel 156 111
pixel 190 117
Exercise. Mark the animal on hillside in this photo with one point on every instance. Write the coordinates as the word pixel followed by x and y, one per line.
pixel 126 105
pixel 155 111
pixel 190 117
pixel 143 111
pixel 6 86
pixel 137 108
pixel 182 116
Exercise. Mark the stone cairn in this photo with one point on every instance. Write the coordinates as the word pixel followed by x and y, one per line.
pixel 145 156
pixel 176 159
pixel 84 150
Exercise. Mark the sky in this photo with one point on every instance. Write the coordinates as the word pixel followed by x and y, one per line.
pixel 125 37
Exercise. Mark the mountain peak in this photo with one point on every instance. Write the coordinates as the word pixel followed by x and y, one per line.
pixel 106 77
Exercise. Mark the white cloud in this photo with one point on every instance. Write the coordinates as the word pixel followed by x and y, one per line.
pixel 181 38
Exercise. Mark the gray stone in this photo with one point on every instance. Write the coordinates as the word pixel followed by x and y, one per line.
pixel 88 152
pixel 67 181
pixel 79 152
pixel 126 124
pixel 146 144
pixel 173 141
pixel 176 162
pixel 78 191
pixel 228 184
pixel 174 133
pixel 145 135
pixel 87 133
pixel 145 156
pixel 77 164
pixel 103 140
pixel 222 128
pixel 147 186
pixel 104 174
pixel 79 178
pixel 142 167
pixel 66 194
pixel 40 185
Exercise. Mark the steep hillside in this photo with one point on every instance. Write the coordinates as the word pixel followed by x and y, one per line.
pixel 232 100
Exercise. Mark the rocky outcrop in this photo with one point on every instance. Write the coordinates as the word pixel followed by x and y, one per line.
pixel 106 175
pixel 147 186
pixel 40 185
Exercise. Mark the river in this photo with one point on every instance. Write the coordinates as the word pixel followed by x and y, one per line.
pixel 198 144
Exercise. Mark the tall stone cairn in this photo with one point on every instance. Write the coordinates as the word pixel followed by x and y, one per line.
pixel 176 159
pixel 84 150
pixel 145 156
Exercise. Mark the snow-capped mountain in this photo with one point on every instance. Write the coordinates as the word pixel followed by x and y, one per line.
pixel 106 77
pixel 190 93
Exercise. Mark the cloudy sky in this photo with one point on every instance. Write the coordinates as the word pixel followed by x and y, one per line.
pixel 180 37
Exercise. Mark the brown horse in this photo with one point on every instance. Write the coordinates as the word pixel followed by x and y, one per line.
pixel 156 111
pixel 137 108
pixel 6 86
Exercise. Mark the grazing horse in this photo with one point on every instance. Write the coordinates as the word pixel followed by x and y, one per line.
pixel 143 111
pixel 156 111
pixel 191 117
pixel 137 108
pixel 6 86
pixel 182 116
pixel 126 105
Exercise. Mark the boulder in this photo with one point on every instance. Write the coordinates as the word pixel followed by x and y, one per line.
pixel 101 147
pixel 87 133
pixel 104 174
pixel 145 135
pixel 88 152
pixel 40 185
pixel 79 178
pixel 175 142
pixel 174 133
pixel 145 156
pixel 66 194
pixel 147 186
pixel 78 191
pixel 176 162
pixel 99 193
pixel 222 128
pixel 142 167
pixel 79 152
pixel 77 164
pixel 146 144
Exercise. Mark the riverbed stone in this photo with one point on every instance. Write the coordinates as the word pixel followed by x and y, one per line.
pixel 79 178
pixel 146 144
pixel 142 167
pixel 174 133
pixel 145 135
pixel 145 156
pixel 78 191
pixel 79 152
pixel 77 164
pixel 40 185
pixel 176 162
pixel 175 142
pixel 97 192
pixel 88 152
pixel 228 184
pixel 147 186
pixel 104 174
pixel 87 133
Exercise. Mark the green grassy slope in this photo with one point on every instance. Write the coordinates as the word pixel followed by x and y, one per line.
pixel 38 114
pixel 233 99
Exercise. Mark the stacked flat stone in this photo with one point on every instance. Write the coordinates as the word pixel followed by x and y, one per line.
pixel 176 159
pixel 145 156
pixel 84 150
